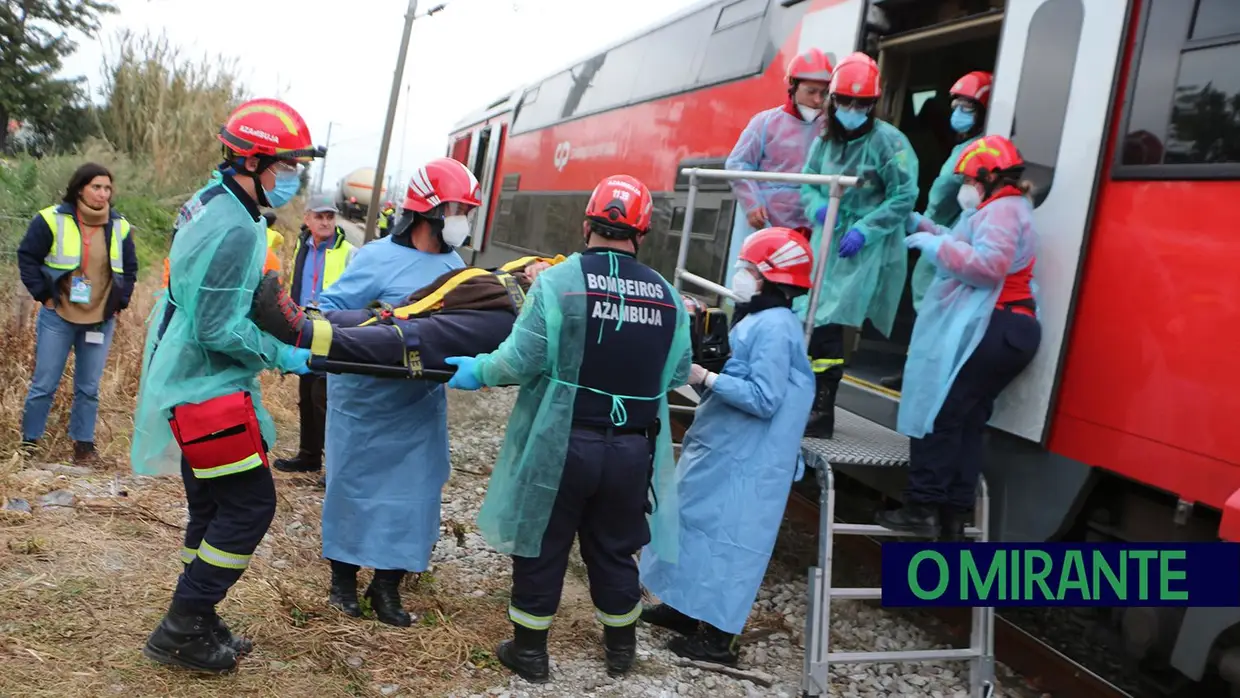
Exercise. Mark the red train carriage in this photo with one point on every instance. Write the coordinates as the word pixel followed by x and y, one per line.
pixel 1123 428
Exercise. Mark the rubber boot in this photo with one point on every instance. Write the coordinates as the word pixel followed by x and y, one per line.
pixel 241 646
pixel 822 420
pixel 188 640
pixel 893 382
pixel 665 616
pixel 952 522
pixel 384 595
pixel 343 594
pixel 708 644
pixel 920 520
pixel 620 648
pixel 526 654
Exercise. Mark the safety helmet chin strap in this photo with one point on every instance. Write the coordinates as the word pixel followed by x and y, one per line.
pixel 236 168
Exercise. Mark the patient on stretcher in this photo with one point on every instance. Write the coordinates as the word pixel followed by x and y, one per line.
pixel 464 312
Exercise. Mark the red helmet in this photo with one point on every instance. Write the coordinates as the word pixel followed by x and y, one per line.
pixel 856 76
pixel 988 155
pixel 441 181
pixel 811 65
pixel 269 128
pixel 975 86
pixel 622 203
pixel 782 256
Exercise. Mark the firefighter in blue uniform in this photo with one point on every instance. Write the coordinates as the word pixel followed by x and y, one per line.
pixel 601 339
pixel 199 402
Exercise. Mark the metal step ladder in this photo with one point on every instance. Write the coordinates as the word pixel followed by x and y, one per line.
pixel 859 442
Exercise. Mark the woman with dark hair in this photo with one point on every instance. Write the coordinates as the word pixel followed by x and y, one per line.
pixel 78 260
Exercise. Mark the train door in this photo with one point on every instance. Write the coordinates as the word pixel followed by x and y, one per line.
pixel 484 163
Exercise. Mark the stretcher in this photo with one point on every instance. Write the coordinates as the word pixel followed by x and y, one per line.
pixel 464 312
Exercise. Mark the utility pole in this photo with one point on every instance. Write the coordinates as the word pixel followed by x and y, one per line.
pixel 372 211
pixel 323 164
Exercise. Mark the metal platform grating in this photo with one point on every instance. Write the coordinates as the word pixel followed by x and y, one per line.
pixel 858 441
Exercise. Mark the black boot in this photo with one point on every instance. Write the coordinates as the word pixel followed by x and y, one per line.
pixel 384 595
pixel 298 464
pixel 952 522
pixel 920 520
pixel 893 382
pixel 188 640
pixel 526 654
pixel 708 644
pixel 620 648
pixel 822 419
pixel 238 644
pixel 343 594
pixel 665 616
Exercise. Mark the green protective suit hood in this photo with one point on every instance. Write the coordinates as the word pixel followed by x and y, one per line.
pixel 543 356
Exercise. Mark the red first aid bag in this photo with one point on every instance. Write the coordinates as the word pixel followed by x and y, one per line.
pixel 220 436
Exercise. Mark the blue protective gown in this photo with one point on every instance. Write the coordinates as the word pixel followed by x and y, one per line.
pixel 738 464
pixel 869 284
pixel 943 209
pixel 971 263
pixel 776 140
pixel 387 440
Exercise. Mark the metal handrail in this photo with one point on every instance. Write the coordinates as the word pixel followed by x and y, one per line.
pixel 837 184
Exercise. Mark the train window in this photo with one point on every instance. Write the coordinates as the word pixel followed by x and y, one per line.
pixel 550 97
pixel 1216 18
pixel 670 55
pixel 610 78
pixel 1045 84
pixel 739 12
pixel 1185 95
pixel 734 49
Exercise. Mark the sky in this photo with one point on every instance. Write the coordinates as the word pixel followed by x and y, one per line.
pixel 333 61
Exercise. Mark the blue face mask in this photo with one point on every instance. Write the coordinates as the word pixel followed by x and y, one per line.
pixel 851 119
pixel 962 121
pixel 287 184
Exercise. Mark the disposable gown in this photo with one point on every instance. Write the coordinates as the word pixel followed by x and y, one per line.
pixel 971 262
pixel 869 284
pixel 737 465
pixel 543 356
pixel 387 440
pixel 943 209
pixel 211 346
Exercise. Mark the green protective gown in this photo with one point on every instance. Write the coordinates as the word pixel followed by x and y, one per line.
pixel 543 356
pixel 210 346
pixel 869 284
pixel 942 208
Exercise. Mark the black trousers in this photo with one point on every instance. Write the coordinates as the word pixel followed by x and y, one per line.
pixel 944 466
pixel 312 407
pixel 228 517
pixel 826 353
pixel 602 501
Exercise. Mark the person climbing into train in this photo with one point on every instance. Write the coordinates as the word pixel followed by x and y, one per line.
pixel 387 440
pixel 740 457
pixel 976 331
pixel 970 98
pixel 321 254
pixel 777 140
pixel 867 262
pixel 600 340
pixel 199 399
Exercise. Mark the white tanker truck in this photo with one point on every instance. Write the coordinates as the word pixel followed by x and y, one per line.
pixel 353 193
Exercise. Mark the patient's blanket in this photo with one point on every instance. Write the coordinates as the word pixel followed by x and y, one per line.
pixel 464 312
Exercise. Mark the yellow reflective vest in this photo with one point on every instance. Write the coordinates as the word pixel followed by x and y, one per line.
pixel 66 252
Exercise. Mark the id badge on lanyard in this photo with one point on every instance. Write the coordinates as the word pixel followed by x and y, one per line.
pixel 79 286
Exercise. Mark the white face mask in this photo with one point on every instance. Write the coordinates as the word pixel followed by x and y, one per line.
pixel 455 230
pixel 808 113
pixel 744 285
pixel 968 197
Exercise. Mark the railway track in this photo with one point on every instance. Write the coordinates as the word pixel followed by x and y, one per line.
pixel 1043 668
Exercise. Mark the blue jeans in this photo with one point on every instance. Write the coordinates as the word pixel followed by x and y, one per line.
pixel 54 338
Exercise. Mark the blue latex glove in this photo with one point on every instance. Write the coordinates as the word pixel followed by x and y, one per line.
pixel 821 215
pixel 851 244
pixel 922 241
pixel 913 224
pixel 293 360
pixel 466 377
